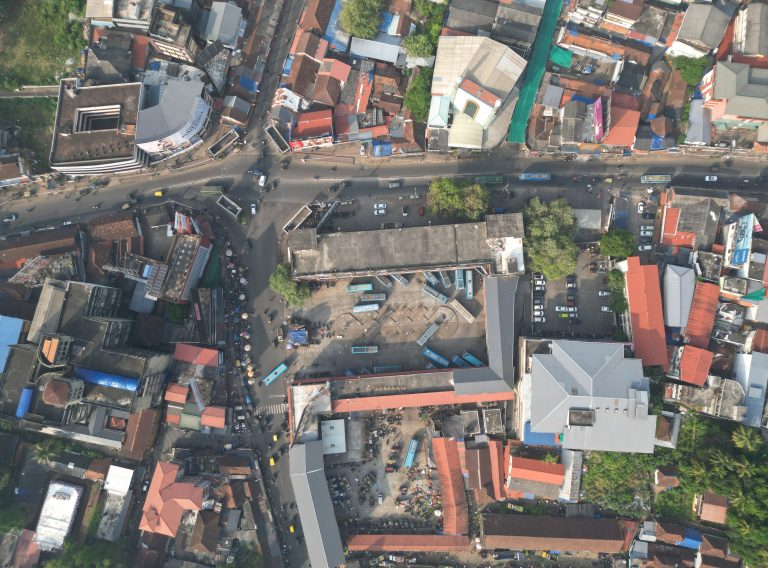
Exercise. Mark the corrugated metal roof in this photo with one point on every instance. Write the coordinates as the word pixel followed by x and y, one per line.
pixel 694 365
pixel 702 317
pixel 679 283
pixel 455 512
pixel 407 542
pixel 537 470
pixel 646 314
pixel 313 500
pixel 10 332
pixel 415 400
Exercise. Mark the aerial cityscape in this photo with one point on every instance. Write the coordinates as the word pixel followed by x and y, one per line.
pixel 383 283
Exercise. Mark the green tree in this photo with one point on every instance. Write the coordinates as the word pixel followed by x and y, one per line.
pixel 177 313
pixel 361 18
pixel 457 199
pixel 550 458
pixel 617 243
pixel 691 68
pixel 549 228
pixel 419 95
pixel 97 554
pixel 553 257
pixel 5 425
pixel 419 45
pixel 281 282
pixel 246 557
pixel 746 439
pixel 548 219
pixel 45 450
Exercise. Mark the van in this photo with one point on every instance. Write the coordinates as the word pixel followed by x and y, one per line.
pixel 394 184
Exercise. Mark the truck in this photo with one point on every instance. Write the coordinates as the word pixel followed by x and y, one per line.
pixel 373 297
pixel 535 177
pixel 364 308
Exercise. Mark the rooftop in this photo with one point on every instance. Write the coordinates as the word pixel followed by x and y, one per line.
pixel 744 87
pixel 644 294
pixel 713 508
pixel 679 284
pixel 694 365
pixel 57 515
pixel 702 317
pixel 705 22
pixel 455 512
pixel 167 500
pixel 95 123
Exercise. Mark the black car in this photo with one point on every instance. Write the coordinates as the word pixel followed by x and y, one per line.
pixel 649 215
pixel 256 172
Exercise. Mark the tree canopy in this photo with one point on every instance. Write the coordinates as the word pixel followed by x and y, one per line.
pixel 361 18
pixel 418 45
pixel 97 554
pixel 456 199
pixel 295 293
pixel 419 95
pixel 616 286
pixel 691 68
pixel 549 245
pixel 423 42
pixel 617 243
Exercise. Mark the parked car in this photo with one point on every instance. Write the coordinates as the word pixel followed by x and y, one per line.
pixel 256 172
pixel 253 209
pixel 571 284
pixel 603 292
pixel 649 215
pixel 380 206
pixel 538 276
pixel 11 217
pixel 573 315
pixel 538 312
pixel 570 302
pixel 539 320
pixel 538 301
pixel 379 211
pixel 539 289
pixel 563 316
pixel 644 248
pixel 572 309
pixel 262 180
pixel 647 227
pixel 605 308
pixel 646 233
pixel 561 308
pixel 539 282
pixel 405 211
pixel 710 179
pixel 640 207
pixel 280 336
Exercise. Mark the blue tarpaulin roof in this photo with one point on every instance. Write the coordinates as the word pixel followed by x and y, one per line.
pixel 10 331
pixel 336 37
pixel 538 439
pixel 298 337
pixel 24 401
pixel 249 84
pixel 106 379
pixel 287 65
pixel 620 220
pixel 382 149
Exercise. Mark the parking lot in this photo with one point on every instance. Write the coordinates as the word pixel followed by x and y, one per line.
pixel 402 317
pixel 573 307
pixel 637 212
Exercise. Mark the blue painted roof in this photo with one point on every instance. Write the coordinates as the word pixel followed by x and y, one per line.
pixel 537 438
pixel 336 37
pixel 24 402
pixel 106 379
pixel 10 331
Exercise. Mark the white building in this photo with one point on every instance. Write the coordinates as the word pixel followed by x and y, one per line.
pixel 57 515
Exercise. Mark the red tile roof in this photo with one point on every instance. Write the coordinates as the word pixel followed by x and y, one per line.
pixel 695 364
pixel 27 553
pixel 760 341
pixel 414 400
pixel 451 32
pixel 140 433
pixel 497 468
pixel 303 75
pixel 176 393
pixel 174 419
pixel 310 124
pixel 670 235
pixel 196 355
pixel 336 69
pixel 363 92
pixel 307 43
pixel 56 393
pixel 623 127
pixel 139 51
pixel 327 90
pixel 479 93
pixel 713 508
pixel 645 313
pixel 455 512
pixel 167 500
pixel 702 317
pixel 316 15
pixel 407 542
pixel 536 470
pixel 214 417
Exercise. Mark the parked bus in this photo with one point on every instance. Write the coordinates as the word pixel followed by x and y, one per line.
pixel 400 279
pixel 413 446
pixel 472 360
pixel 434 357
pixel 431 278
pixel 276 372
pixel 383 281
pixel 445 279
pixel 373 297
pixel 211 190
pixel 358 288
pixel 656 178
pixel 459 279
pixel 364 349
pixel 459 362
pixel 434 294
pixel 364 308
pixel 461 310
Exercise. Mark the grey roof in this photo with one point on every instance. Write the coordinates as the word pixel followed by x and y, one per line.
pixel 553 94
pixel 679 283
pixel 517 22
pixel 383 48
pixel 700 216
pixel 222 22
pixel 177 104
pixel 699 124
pixel 756 32
pixel 751 371
pixel 744 87
pixel 596 378
pixel 471 15
pixel 48 311
pixel 313 500
pixel 500 324
pixel 705 22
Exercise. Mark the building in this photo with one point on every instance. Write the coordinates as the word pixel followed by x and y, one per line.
pixel 646 318
pixel 313 500
pixel 57 515
pixel 701 319
pixel 117 485
pixel 702 29
pixel 122 14
pixel 172 36
pixel 527 532
pixel 168 500
pixel 455 513
pixel 587 396
pixel 317 256
pixel 14 170
pixel 750 32
pixel 222 22
pixel 479 77
pixel 679 284
pixel 737 236
pixel 95 129
pixel 176 110
pixel 691 365
pixel 529 477
pixel 711 508
pixel 751 372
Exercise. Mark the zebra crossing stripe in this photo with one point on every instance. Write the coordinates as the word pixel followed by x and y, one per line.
pixel 273 409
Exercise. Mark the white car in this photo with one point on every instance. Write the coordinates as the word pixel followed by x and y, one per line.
pixel 362 149
pixel 253 209
pixel 538 282
pixel 640 207
pixel 644 248
pixel 538 313
pixel 11 217
pixel 262 180
pixel 605 309
pixel 561 309
pixel 647 227
pixel 646 233
pixel 379 211
pixel 710 178
pixel 380 206
pixel 539 320
pixel 603 293
pixel 572 309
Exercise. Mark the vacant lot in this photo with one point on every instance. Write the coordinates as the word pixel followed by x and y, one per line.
pixel 34 120
pixel 39 40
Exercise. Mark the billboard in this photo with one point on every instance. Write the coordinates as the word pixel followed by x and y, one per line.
pixel 312 142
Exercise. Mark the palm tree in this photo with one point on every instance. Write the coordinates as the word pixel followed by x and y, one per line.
pixel 44 451
pixel 5 425
pixel 720 463
pixel 737 500
pixel 741 526
pixel 746 439
pixel 742 468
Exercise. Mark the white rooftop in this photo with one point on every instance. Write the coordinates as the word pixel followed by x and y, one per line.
pixel 334 436
pixel 118 480
pixel 58 513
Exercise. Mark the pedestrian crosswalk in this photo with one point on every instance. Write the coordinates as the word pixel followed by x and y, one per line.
pixel 272 409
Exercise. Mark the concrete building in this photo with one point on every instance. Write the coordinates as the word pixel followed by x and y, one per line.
pixel 702 29
pixel 588 396
pixel 222 22
pixel 739 97
pixel 124 14
pixel 95 129
pixel 57 515
pixel 679 284
pixel 172 36
pixel 14 170
pixel 496 244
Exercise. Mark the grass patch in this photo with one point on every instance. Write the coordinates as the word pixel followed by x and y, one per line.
pixel 34 119
pixel 39 40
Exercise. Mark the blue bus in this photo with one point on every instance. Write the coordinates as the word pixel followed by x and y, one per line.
pixel 276 372
pixel 438 359
pixel 459 362
pixel 356 288
pixel 472 360
pixel 364 349
pixel 410 457
pixel 459 279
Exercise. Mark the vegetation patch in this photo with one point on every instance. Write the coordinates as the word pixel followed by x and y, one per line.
pixel 616 286
pixel 418 96
pixel 39 40
pixel 457 200
pixel 34 121
pixel 361 18
pixel 691 69
pixel 617 243
pixel 423 42
pixel 281 282
pixel 549 230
